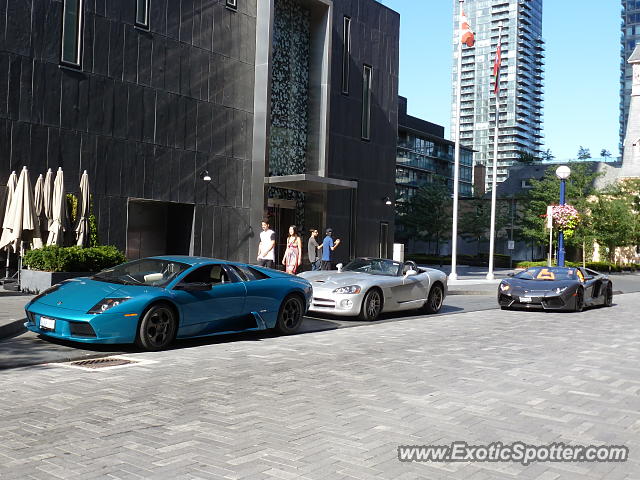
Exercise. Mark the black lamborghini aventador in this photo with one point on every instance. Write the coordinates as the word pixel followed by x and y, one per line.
pixel 555 288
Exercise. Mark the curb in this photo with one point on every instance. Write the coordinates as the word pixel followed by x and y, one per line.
pixel 12 328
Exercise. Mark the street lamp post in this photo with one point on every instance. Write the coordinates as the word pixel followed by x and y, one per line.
pixel 562 173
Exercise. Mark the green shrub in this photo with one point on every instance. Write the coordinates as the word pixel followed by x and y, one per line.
pixel 73 259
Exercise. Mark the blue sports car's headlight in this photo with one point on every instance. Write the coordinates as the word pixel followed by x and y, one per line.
pixel 560 289
pixel 504 287
pixel 107 303
pixel 351 289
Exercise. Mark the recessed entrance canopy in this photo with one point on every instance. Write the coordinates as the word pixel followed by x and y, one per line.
pixel 307 183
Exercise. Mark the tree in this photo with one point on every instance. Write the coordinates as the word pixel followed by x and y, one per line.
pixel 547 155
pixel 475 221
pixel 579 188
pixel 604 153
pixel 527 157
pixel 427 214
pixel 583 153
pixel 616 222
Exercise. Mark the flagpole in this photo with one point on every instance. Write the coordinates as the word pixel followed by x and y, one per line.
pixel 456 162
pixel 492 238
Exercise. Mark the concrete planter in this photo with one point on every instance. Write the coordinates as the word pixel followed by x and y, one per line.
pixel 35 281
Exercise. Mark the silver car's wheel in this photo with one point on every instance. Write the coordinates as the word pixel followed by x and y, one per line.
pixel 371 306
pixel 157 328
pixel 608 296
pixel 579 305
pixel 290 315
pixel 435 300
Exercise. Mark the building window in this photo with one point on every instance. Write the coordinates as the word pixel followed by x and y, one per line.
pixel 142 13
pixel 72 32
pixel 366 102
pixel 346 54
pixel 232 4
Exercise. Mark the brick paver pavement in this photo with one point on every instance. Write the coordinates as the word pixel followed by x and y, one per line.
pixel 336 404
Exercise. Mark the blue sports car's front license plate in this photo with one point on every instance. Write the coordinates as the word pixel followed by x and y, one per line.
pixel 525 299
pixel 47 323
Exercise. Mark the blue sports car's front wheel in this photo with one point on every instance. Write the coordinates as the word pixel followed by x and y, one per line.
pixel 290 315
pixel 157 328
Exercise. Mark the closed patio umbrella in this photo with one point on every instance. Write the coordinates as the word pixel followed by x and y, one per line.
pixel 11 186
pixel 22 223
pixel 82 230
pixel 38 195
pixel 58 211
pixel 38 201
pixel 47 197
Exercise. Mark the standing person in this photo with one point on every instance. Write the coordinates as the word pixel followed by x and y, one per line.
pixel 313 247
pixel 328 246
pixel 293 254
pixel 267 246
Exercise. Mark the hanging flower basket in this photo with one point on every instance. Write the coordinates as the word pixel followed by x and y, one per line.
pixel 565 218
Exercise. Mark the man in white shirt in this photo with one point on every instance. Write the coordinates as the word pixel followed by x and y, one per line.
pixel 267 246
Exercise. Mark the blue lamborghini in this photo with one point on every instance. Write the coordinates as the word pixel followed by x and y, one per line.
pixel 154 300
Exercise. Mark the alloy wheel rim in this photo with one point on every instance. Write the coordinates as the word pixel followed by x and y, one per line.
pixel 291 313
pixel 373 305
pixel 158 328
pixel 436 301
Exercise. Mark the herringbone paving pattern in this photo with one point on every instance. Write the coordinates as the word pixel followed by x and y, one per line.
pixel 336 404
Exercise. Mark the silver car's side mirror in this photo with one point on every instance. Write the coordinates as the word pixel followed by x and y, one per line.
pixel 410 273
pixel 339 267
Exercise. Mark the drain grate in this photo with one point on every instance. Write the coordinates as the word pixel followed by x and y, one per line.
pixel 102 362
pixel 105 363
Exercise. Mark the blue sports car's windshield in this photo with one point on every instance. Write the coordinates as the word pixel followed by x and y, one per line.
pixel 548 273
pixel 151 272
pixel 374 266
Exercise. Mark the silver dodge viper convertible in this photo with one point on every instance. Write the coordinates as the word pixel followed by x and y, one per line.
pixel 367 287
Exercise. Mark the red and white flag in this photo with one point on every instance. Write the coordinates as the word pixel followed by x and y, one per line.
pixel 466 34
pixel 496 67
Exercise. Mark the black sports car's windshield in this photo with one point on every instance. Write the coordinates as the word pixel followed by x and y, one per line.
pixel 150 272
pixel 374 266
pixel 548 273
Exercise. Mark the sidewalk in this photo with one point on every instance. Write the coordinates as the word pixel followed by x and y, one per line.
pixel 12 312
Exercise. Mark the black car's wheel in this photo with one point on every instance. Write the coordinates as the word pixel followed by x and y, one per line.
pixel 290 315
pixel 434 300
pixel 579 305
pixel 158 328
pixel 608 296
pixel 503 307
pixel 371 306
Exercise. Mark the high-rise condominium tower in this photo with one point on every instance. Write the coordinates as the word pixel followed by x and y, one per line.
pixel 520 127
pixel 630 36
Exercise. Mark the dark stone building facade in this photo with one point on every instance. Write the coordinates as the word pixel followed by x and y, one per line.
pixel 153 106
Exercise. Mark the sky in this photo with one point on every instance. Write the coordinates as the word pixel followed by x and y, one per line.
pixel 582 69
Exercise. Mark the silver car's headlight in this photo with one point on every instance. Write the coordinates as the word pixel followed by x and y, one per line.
pixel 351 289
pixel 504 287
pixel 560 289
pixel 107 303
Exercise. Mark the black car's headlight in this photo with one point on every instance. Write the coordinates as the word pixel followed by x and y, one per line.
pixel 350 289
pixel 559 290
pixel 504 287
pixel 107 303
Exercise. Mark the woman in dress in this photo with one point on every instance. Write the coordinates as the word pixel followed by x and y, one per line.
pixel 293 254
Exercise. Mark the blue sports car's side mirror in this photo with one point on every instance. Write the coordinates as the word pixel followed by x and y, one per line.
pixel 193 286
